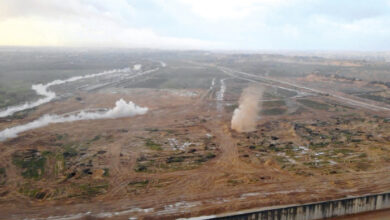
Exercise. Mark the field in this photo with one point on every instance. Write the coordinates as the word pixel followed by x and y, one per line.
pixel 322 132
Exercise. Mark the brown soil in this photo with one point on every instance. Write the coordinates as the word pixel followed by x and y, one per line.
pixel 217 185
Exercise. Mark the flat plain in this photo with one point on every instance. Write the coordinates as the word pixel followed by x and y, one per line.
pixel 322 132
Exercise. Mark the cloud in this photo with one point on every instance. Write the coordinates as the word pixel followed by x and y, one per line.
pixel 197 24
pixel 99 23
pixel 72 9
pixel 37 32
pixel 217 10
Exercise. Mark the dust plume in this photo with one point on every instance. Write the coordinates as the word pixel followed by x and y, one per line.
pixel 245 116
pixel 121 109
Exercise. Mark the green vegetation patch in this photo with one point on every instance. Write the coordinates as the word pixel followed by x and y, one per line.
pixel 234 182
pixel 34 193
pixel 152 145
pixel 362 155
pixel 60 137
pixel 91 189
pixel 302 172
pixel 152 129
pixel 281 160
pixel 141 168
pixel 286 93
pixel 318 145
pixel 3 176
pixel 176 159
pixel 18 93
pixel 273 111
pixel 69 151
pixel 154 163
pixel 344 151
pixel 375 98
pixel 313 104
pixel 21 114
pixel 258 148
pixel 273 104
pixel 31 162
pixel 316 164
pixel 139 183
pixel 96 138
pixel 106 172
pixel 204 158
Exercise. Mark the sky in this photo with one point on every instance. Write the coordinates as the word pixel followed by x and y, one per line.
pixel 357 25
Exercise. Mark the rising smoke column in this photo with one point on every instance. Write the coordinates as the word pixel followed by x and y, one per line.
pixel 245 116
pixel 121 109
pixel 42 90
pixel 137 67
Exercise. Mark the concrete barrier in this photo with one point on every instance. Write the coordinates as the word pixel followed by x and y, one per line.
pixel 317 210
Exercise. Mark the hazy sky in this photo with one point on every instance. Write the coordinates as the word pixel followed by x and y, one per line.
pixel 198 24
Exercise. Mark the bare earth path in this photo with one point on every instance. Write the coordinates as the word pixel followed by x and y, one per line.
pixel 225 183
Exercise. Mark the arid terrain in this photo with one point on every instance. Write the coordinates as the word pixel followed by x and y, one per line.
pixel 322 132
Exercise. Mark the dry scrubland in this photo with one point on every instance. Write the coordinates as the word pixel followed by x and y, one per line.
pixel 182 158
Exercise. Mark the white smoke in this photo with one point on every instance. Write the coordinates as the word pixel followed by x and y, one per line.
pixel 121 109
pixel 42 90
pixel 245 116
pixel 163 64
pixel 137 67
pixel 221 93
pixel 212 84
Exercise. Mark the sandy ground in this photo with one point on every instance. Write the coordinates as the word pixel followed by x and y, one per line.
pixel 205 190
